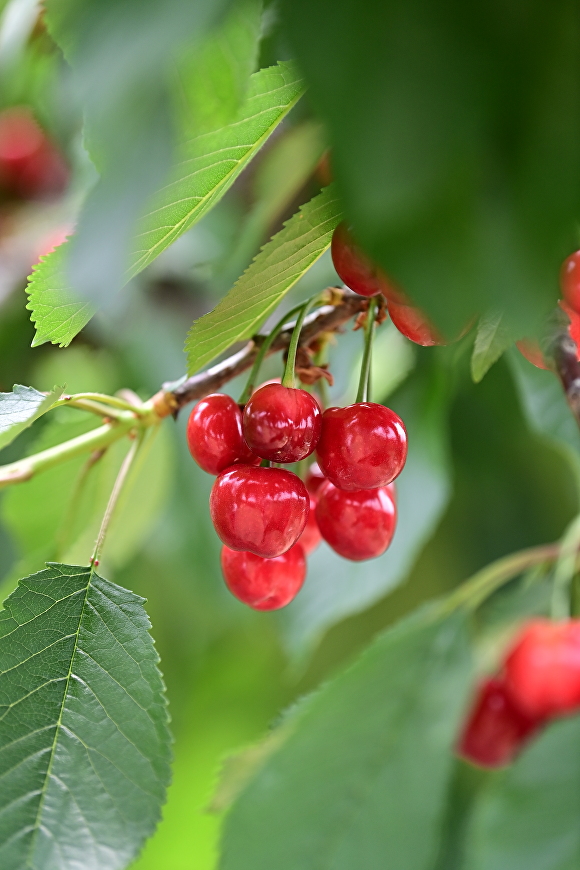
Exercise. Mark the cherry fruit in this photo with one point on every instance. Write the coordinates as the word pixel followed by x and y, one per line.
pixel 264 584
pixel 362 446
pixel 358 525
pixel 261 510
pixel 214 434
pixel 282 424
pixel 570 280
pixel 496 729
pixel 354 267
pixel 314 478
pixel 310 537
pixel 30 164
pixel 413 323
pixel 543 668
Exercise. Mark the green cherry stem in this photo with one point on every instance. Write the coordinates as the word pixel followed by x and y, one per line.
pixel 289 379
pixel 363 393
pixel 264 348
pixel 564 571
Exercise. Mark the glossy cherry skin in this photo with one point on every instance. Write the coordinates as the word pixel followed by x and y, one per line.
pixel 358 525
pixel 282 424
pixel 543 668
pixel 314 478
pixel 362 446
pixel 264 584
pixel 413 323
pixel 570 280
pixel 214 434
pixel 354 267
pixel 310 537
pixel 262 510
pixel 496 729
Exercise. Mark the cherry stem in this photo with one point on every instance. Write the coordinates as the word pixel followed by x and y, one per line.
pixel 364 384
pixel 564 571
pixel 264 348
pixel 289 378
pixel 114 497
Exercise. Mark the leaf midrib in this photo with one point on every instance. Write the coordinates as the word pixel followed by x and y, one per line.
pixel 44 789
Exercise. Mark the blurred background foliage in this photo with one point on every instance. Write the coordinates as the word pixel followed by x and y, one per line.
pixel 447 188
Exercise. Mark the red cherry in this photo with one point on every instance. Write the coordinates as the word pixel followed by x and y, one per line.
pixel 543 668
pixel 531 350
pixel 570 280
pixel 314 478
pixel 574 327
pixel 282 424
pixel 264 584
pixel 496 729
pixel 262 510
pixel 354 267
pixel 362 446
pixel 30 165
pixel 310 537
pixel 358 525
pixel 214 434
pixel 413 323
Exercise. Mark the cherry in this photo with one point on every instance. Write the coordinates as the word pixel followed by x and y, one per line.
pixel 264 584
pixel 214 434
pixel 282 424
pixel 543 668
pixel 574 327
pixel 310 537
pixel 30 164
pixel 412 322
pixel 262 510
pixel 496 729
pixel 357 525
pixel 354 267
pixel 314 478
pixel 362 446
pixel 531 350
pixel 570 280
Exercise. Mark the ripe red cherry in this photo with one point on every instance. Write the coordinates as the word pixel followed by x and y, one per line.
pixel 362 446
pixel 262 510
pixel 264 584
pixel 354 267
pixel 496 729
pixel 30 164
pixel 214 434
pixel 358 525
pixel 282 424
pixel 310 537
pixel 570 280
pixel 543 668
pixel 413 323
pixel 314 478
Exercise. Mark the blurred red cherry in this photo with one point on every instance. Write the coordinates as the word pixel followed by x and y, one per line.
pixel 31 166
pixel 412 322
pixel 354 267
pixel 570 281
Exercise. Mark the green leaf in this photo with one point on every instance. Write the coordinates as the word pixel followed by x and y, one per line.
pixel 278 266
pixel 361 779
pixel 20 408
pixel 208 166
pixel 490 342
pixel 527 818
pixel 336 588
pixel 84 738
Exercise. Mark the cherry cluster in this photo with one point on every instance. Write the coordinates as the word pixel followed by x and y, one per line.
pixel 269 518
pixel 539 681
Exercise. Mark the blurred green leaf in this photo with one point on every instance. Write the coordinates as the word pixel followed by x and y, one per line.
pixel 84 737
pixel 546 409
pixel 20 408
pixel 278 266
pixel 208 166
pixel 454 133
pixel 363 774
pixel 490 342
pixel 527 817
pixel 335 588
